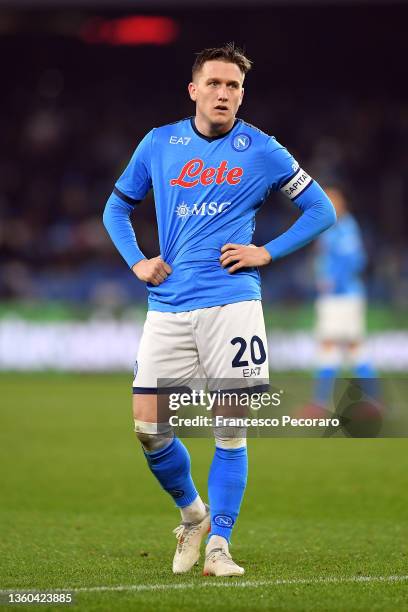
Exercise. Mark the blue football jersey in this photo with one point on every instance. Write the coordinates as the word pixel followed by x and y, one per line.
pixel 207 192
pixel 341 259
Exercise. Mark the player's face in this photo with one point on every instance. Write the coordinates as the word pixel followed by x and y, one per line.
pixel 217 91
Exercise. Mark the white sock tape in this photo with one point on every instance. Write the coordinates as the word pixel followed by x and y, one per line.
pixel 151 428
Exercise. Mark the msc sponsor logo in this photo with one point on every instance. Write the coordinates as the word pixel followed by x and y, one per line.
pixel 297 184
pixel 223 520
pixel 201 209
pixel 241 142
pixel 183 210
pixel 193 173
pixel 183 140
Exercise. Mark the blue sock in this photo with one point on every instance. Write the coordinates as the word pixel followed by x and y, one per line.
pixel 368 379
pixel 171 466
pixel 324 383
pixel 226 485
pixel 365 370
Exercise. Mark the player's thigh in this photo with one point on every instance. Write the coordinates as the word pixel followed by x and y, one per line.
pixel 232 342
pixel 151 408
pixel 167 356
pixel 145 407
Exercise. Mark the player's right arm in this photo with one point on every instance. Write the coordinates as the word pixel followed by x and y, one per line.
pixel 129 190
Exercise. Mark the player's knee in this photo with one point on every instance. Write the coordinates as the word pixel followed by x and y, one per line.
pixel 154 442
pixel 355 354
pixel 230 437
pixel 153 436
pixel 329 355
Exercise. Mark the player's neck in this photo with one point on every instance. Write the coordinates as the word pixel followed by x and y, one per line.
pixel 211 130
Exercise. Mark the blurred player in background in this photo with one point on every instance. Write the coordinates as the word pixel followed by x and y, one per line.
pixel 210 174
pixel 341 305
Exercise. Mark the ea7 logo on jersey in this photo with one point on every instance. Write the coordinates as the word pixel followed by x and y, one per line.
pixel 297 184
pixel 184 140
pixel 195 168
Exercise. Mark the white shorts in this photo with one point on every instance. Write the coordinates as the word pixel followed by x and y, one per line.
pixel 340 318
pixel 217 344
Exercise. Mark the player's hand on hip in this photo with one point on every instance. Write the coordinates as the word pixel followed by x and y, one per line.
pixel 243 256
pixel 153 271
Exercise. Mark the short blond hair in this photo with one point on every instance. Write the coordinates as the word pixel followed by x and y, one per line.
pixel 228 53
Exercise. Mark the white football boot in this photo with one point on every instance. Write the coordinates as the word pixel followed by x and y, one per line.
pixel 218 562
pixel 189 536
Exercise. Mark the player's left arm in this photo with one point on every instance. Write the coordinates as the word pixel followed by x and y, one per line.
pixel 318 213
pixel 244 256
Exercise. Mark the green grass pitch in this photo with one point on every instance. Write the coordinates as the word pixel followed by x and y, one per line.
pixel 79 509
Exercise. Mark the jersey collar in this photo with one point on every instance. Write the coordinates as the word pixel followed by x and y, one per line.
pixel 211 138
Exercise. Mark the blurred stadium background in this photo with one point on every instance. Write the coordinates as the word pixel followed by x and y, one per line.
pixel 83 81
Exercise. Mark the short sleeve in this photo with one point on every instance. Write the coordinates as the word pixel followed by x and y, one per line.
pixel 135 182
pixel 283 172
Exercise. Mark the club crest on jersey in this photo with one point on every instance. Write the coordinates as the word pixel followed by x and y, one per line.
pixel 193 173
pixel 241 142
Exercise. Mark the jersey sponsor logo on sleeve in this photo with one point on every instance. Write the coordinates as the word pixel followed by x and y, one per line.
pixel 296 184
pixel 241 142
pixel 193 173
pixel 184 140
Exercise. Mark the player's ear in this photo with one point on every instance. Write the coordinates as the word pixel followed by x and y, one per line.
pixel 192 90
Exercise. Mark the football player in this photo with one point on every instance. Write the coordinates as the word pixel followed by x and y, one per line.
pixel 340 306
pixel 210 174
